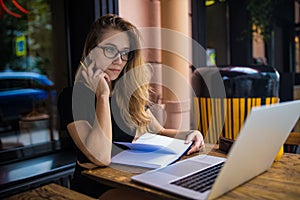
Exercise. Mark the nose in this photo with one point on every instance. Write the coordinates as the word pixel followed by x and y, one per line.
pixel 118 59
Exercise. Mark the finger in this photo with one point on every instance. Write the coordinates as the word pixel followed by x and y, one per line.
pixel 97 75
pixel 202 143
pixel 192 150
pixel 195 147
pixel 202 147
pixel 90 69
pixel 106 77
pixel 189 138
pixel 86 78
pixel 90 72
pixel 93 65
pixel 98 72
pixel 85 75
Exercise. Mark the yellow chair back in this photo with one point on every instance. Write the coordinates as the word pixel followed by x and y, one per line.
pixel 216 117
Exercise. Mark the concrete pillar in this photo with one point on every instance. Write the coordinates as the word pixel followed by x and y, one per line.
pixel 176 92
pixel 146 16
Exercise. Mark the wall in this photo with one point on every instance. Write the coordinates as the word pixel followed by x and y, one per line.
pixel 171 15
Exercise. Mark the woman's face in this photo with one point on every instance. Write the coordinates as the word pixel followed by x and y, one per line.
pixel 109 53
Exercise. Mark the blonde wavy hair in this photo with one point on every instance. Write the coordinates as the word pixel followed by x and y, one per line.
pixel 131 88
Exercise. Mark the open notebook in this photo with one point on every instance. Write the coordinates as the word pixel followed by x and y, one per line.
pixel 151 151
pixel 264 132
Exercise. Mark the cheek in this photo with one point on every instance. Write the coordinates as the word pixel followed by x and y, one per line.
pixel 102 64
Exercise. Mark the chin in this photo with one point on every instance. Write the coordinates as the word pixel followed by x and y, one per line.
pixel 113 78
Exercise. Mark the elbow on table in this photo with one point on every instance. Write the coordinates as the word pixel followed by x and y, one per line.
pixel 106 162
pixel 103 161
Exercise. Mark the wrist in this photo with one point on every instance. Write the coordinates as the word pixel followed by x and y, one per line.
pixel 188 133
pixel 102 94
pixel 102 97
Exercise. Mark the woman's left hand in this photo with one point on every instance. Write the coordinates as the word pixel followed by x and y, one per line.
pixel 197 138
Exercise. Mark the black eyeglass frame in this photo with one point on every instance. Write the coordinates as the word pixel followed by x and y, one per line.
pixel 122 53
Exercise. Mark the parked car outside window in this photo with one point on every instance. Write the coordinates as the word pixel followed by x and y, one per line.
pixel 21 93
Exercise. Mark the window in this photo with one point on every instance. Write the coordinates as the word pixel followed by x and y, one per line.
pixel 27 74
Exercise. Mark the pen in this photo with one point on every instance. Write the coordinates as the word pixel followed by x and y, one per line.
pixel 83 65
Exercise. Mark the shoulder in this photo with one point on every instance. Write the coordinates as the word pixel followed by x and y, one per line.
pixel 77 89
pixel 80 90
pixel 66 92
pixel 64 95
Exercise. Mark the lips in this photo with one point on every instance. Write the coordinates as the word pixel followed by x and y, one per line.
pixel 114 70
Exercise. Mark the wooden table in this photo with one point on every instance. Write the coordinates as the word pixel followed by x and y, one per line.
pixel 281 181
pixel 51 191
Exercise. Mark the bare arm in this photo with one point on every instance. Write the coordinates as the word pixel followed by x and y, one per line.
pixel 187 135
pixel 95 140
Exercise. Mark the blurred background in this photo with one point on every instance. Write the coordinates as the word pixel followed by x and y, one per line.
pixel 42 41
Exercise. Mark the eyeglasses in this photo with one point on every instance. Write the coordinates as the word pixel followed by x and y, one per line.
pixel 112 52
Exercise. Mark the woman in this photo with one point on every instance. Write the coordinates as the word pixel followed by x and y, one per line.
pixel 109 99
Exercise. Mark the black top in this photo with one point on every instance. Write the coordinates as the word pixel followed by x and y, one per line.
pixel 82 100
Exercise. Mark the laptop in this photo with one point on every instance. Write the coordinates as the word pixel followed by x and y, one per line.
pixel 264 132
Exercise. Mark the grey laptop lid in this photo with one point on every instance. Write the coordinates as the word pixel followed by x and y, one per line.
pixel 264 132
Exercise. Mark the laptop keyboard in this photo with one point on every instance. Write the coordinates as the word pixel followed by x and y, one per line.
pixel 200 181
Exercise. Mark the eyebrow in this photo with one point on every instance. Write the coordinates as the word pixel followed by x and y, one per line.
pixel 111 44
